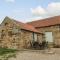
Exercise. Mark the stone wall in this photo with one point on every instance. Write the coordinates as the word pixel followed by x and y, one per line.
pixel 55 31
pixel 26 38
pixel 9 36
pixel 12 36
pixel 40 38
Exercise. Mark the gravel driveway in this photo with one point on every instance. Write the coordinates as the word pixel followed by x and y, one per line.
pixel 37 55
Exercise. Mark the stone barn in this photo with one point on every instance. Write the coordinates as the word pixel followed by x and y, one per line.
pixel 50 27
pixel 17 35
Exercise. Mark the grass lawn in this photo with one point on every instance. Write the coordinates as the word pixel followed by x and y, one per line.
pixel 6 53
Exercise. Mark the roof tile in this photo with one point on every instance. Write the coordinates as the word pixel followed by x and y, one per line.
pixel 46 22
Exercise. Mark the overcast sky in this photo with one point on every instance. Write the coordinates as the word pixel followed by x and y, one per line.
pixel 29 10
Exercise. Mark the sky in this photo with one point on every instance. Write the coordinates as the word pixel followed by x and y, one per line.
pixel 29 10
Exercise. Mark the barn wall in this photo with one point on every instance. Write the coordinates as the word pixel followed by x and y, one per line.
pixel 55 32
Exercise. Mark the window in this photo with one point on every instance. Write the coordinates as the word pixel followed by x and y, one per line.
pixel 34 37
pixel 49 36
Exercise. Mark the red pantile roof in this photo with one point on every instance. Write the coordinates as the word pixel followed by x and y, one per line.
pixel 46 22
pixel 27 27
pixel 23 25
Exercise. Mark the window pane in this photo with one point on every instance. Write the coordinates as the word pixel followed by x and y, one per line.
pixel 35 37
